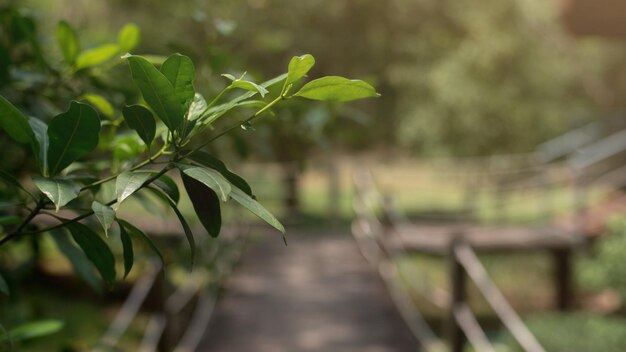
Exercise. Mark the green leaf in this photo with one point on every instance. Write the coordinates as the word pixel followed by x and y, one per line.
pixel 127 246
pixel 141 120
pixel 181 218
pixel 299 66
pixel 129 182
pixel 95 249
pixel 35 329
pixel 205 203
pixel 4 287
pixel 10 180
pixel 79 261
pixel 72 134
pixel 180 71
pixel 40 131
pixel 99 102
pixel 157 91
pixel 126 146
pixel 105 215
pixel 128 37
pixel 335 88
pixel 68 42
pixel 167 185
pixel 248 85
pixel 15 123
pixel 208 160
pixel 229 76
pixel 197 107
pixel 138 233
pixel 59 191
pixel 215 112
pixel 96 56
pixel 256 208
pixel 211 178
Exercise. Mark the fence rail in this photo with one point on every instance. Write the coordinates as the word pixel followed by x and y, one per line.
pixel 181 317
pixel 373 237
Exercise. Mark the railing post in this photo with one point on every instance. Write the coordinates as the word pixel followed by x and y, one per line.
pixel 334 195
pixel 563 277
pixel 546 207
pixel 459 296
pixel 580 200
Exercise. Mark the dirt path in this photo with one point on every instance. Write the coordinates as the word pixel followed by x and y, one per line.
pixel 318 294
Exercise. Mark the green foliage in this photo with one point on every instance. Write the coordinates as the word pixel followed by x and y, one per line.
pixel 577 332
pixel 96 56
pixel 205 159
pixel 179 70
pixel 205 203
pixel 68 42
pixel 247 85
pixel 129 255
pixel 299 66
pixel 157 91
pixel 257 209
pixel 105 215
pixel 77 258
pixel 4 287
pixel 75 150
pixel 95 249
pixel 607 267
pixel 128 183
pixel 335 88
pixel 14 122
pixel 141 120
pixel 59 191
pixel 128 38
pixel 33 330
pixel 71 135
pixel 210 178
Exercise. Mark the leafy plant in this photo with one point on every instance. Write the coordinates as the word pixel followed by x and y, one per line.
pixel 576 331
pixel 607 268
pixel 169 124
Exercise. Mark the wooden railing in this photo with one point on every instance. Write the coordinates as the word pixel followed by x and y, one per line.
pixel 373 238
pixel 179 315
pixel 463 323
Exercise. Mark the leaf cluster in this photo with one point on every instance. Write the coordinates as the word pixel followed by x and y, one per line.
pixel 170 122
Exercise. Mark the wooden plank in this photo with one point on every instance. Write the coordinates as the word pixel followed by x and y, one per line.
pixel 435 238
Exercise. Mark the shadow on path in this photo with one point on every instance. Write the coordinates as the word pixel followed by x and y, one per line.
pixel 317 294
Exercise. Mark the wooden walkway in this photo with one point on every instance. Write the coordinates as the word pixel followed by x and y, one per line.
pixel 317 294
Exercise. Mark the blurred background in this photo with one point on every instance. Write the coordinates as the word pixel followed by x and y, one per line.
pixel 501 124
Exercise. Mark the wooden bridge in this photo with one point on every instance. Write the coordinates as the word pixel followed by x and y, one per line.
pixel 320 294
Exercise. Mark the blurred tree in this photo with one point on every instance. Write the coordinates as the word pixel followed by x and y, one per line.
pixel 456 77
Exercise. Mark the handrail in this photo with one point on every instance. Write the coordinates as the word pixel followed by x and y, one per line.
pixel 468 259
pixel 131 306
pixel 600 150
pixel 568 142
pixel 158 334
pixel 433 294
pixel 365 233
pixel 368 230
